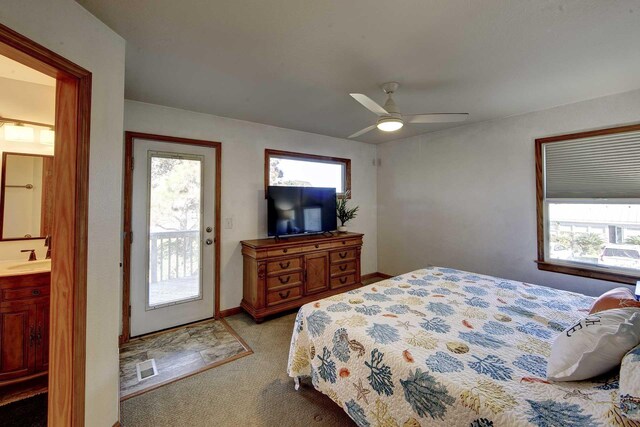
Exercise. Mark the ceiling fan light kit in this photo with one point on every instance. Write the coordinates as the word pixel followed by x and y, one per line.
pixel 390 119
pixel 389 124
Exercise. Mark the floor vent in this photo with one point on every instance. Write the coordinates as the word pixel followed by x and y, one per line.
pixel 146 369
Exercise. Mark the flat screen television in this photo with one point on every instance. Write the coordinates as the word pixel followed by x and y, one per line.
pixel 301 210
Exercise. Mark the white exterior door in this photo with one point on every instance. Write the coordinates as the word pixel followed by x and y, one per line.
pixel 172 220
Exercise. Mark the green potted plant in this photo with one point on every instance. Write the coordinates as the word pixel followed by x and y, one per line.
pixel 343 213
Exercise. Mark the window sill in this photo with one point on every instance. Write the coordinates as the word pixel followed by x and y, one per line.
pixel 587 272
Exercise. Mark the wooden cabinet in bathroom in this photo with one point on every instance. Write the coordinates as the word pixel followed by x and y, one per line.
pixel 24 326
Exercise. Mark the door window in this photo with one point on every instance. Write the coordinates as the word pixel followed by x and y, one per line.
pixel 174 228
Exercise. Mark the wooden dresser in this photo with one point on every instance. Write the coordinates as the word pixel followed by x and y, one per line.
pixel 287 274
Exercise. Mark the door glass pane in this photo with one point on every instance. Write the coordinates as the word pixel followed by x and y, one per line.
pixel 175 212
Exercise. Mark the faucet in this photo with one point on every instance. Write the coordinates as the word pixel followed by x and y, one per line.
pixel 47 243
pixel 32 254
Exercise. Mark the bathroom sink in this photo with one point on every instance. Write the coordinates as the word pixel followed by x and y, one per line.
pixel 21 267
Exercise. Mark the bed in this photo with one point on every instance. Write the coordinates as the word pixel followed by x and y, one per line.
pixel 443 347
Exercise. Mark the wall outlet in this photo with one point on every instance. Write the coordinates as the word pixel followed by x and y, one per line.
pixel 228 223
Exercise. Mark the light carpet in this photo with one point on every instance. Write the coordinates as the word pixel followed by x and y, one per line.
pixel 252 391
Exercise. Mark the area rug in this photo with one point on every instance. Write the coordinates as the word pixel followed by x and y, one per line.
pixel 177 354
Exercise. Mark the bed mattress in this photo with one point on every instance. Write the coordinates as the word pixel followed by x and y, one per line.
pixel 443 347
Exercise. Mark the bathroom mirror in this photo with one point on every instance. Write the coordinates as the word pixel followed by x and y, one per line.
pixel 26 196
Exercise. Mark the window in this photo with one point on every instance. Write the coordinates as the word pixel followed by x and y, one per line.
pixel 284 168
pixel 175 228
pixel 588 202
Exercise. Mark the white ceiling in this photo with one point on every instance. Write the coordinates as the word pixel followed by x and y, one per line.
pixel 10 69
pixel 293 63
pixel 26 94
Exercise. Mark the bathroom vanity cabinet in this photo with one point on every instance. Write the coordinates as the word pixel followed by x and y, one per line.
pixel 24 326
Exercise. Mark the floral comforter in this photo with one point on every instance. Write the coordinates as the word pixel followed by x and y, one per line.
pixel 439 346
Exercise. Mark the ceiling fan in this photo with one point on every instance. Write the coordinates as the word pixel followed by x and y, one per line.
pixel 389 117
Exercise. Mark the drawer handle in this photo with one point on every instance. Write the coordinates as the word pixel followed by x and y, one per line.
pixel 283 266
pixel 284 250
pixel 317 246
pixel 343 267
pixel 343 280
pixel 284 295
pixel 342 255
pixel 32 337
pixel 35 292
pixel 344 242
pixel 283 281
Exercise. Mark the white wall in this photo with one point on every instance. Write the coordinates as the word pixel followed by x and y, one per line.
pixel 10 250
pixel 27 101
pixel 66 28
pixel 465 197
pixel 243 145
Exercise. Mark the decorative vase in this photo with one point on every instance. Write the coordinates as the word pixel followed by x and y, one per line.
pixel 342 229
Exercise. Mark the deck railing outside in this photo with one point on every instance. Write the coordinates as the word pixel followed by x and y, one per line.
pixel 173 255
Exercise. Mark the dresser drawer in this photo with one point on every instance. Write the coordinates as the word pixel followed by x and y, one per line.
pixel 338 282
pixel 284 265
pixel 316 247
pixel 24 293
pixel 284 295
pixel 282 280
pixel 344 243
pixel 283 252
pixel 346 255
pixel 343 268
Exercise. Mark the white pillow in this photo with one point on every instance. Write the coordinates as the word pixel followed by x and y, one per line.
pixel 630 384
pixel 594 345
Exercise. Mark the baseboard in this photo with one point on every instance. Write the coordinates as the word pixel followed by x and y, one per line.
pixel 375 275
pixel 116 424
pixel 229 312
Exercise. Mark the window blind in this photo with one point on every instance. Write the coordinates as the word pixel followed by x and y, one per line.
pixel 606 166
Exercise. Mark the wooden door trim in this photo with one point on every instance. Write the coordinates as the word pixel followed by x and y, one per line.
pixel 67 347
pixel 130 137
pixel 46 200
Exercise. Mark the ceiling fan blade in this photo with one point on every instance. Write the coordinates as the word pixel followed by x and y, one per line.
pixel 363 131
pixel 436 118
pixel 369 104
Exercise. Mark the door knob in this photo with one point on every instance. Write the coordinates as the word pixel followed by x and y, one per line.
pixel 208 241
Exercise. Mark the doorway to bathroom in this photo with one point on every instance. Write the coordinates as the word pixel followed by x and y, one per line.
pixel 57 333
pixel 27 116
